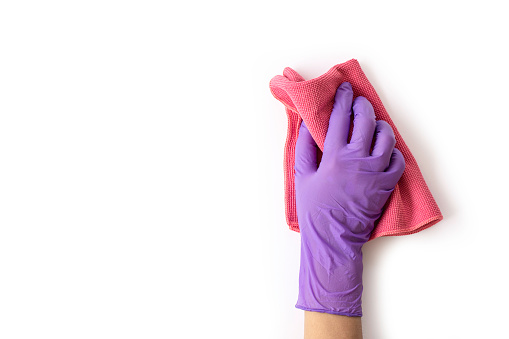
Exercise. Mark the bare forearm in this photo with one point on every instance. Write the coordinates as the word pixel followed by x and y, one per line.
pixel 330 326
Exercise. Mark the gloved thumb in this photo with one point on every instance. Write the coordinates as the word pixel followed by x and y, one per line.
pixel 305 152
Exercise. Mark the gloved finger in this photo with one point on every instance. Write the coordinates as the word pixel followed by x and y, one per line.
pixel 364 124
pixel 384 144
pixel 395 170
pixel 339 122
pixel 305 152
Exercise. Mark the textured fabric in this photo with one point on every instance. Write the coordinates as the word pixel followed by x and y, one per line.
pixel 411 207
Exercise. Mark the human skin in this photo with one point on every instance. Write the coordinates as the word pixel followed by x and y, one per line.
pixel 331 326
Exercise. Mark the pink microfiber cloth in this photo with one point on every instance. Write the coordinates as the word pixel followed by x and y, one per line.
pixel 411 207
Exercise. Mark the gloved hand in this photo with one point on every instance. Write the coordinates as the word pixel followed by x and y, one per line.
pixel 339 201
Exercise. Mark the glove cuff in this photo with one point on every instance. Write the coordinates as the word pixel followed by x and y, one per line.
pixel 330 284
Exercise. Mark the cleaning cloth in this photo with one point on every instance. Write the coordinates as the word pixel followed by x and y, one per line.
pixel 411 207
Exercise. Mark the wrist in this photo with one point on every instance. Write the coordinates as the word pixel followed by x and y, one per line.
pixel 330 281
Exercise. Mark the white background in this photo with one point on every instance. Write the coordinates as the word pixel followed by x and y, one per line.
pixel 141 165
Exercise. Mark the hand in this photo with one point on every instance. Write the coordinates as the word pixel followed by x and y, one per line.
pixel 339 202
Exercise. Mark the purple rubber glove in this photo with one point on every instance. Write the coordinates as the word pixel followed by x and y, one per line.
pixel 339 201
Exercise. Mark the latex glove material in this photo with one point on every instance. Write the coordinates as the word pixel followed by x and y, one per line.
pixel 339 201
